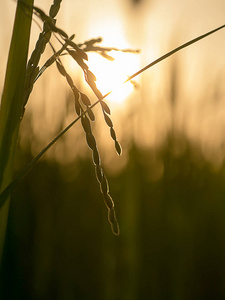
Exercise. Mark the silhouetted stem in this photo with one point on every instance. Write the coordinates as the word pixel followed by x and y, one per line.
pixel 172 52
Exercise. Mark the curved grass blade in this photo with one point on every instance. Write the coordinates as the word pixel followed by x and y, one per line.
pixel 174 51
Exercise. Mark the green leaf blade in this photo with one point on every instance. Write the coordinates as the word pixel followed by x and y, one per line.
pixel 12 102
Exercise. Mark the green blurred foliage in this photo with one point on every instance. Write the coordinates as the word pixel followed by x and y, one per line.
pixel 171 209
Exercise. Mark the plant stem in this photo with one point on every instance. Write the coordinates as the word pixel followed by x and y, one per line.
pixel 173 51
pixel 12 104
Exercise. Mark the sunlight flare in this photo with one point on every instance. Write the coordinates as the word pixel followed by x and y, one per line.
pixel 111 75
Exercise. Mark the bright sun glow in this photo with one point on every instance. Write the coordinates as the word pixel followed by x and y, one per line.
pixel 112 74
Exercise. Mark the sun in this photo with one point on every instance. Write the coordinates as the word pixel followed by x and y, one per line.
pixel 111 75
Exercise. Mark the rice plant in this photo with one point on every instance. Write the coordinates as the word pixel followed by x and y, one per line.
pixel 12 103
pixel 22 74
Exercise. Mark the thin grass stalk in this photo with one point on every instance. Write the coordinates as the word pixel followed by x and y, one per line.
pixel 12 104
pixel 174 51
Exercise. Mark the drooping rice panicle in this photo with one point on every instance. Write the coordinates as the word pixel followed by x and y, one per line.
pixel 81 100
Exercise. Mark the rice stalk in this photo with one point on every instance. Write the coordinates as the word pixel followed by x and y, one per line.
pixel 12 104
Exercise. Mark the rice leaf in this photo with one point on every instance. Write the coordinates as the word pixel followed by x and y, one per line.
pixel 12 103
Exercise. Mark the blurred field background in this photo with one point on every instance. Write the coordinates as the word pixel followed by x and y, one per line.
pixel 169 184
